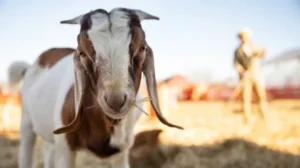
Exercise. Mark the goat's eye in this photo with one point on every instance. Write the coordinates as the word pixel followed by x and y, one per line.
pixel 143 48
pixel 81 54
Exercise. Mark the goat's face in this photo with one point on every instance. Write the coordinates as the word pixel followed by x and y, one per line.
pixel 108 46
pixel 112 54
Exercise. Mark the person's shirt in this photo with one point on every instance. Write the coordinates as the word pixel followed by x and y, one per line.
pixel 246 56
pixel 248 50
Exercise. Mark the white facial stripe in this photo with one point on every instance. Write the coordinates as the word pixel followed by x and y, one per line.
pixel 100 21
pixel 112 44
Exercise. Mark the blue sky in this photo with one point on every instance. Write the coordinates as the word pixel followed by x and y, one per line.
pixel 190 36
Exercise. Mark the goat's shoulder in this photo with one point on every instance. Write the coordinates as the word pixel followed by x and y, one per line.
pixel 51 56
pixel 94 133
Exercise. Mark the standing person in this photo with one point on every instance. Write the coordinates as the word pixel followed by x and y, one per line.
pixel 246 63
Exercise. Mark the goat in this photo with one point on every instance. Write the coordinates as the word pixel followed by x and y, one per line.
pixel 86 95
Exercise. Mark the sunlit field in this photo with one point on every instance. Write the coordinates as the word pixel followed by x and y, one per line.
pixel 215 136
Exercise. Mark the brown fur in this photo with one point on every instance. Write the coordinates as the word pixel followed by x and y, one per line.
pixel 94 132
pixel 150 137
pixel 145 143
pixel 137 48
pixel 51 56
pixel 85 46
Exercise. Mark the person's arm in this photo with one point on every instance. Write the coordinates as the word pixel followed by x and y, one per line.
pixel 258 52
pixel 262 53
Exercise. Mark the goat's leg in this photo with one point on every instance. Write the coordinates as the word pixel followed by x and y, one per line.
pixel 64 157
pixel 27 142
pixel 121 160
pixel 48 155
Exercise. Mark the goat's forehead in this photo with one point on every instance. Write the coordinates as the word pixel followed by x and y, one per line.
pixel 102 20
pixel 110 36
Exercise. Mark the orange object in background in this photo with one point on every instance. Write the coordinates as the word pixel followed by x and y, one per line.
pixel 10 113
pixel 5 98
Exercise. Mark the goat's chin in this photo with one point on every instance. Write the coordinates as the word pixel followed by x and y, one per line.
pixel 113 121
pixel 115 117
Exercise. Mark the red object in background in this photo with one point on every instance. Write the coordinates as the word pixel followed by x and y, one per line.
pixel 223 93
pixel 291 92
pixel 183 84
pixel 187 92
pixel 191 91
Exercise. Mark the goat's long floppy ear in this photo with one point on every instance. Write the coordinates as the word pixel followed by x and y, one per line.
pixel 80 88
pixel 149 72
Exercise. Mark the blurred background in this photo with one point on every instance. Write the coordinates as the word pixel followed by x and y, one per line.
pixel 193 44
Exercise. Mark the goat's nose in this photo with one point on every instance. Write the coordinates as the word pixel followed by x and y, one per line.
pixel 115 100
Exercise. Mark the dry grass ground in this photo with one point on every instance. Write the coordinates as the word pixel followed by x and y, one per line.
pixel 214 137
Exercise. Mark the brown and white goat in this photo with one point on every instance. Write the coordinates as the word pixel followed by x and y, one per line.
pixel 87 95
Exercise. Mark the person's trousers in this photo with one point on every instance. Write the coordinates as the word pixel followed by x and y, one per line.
pixel 248 84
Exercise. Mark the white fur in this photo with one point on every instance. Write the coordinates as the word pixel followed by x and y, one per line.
pixel 112 44
pixel 43 95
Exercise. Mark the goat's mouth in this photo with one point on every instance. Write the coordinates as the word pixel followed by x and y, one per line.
pixel 113 121
pixel 116 115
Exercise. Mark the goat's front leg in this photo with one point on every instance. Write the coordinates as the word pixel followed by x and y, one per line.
pixel 27 142
pixel 121 160
pixel 64 157
pixel 48 155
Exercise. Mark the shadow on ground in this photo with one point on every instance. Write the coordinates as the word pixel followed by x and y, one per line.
pixel 231 153
pixel 8 152
pixel 148 152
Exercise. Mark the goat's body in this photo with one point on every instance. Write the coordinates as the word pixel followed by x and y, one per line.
pixel 43 94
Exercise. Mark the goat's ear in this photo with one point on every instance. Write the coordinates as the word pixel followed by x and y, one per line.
pixel 76 20
pixel 81 81
pixel 138 65
pixel 144 15
pixel 139 56
pixel 149 72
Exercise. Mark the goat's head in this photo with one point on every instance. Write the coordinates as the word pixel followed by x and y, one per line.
pixel 112 53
